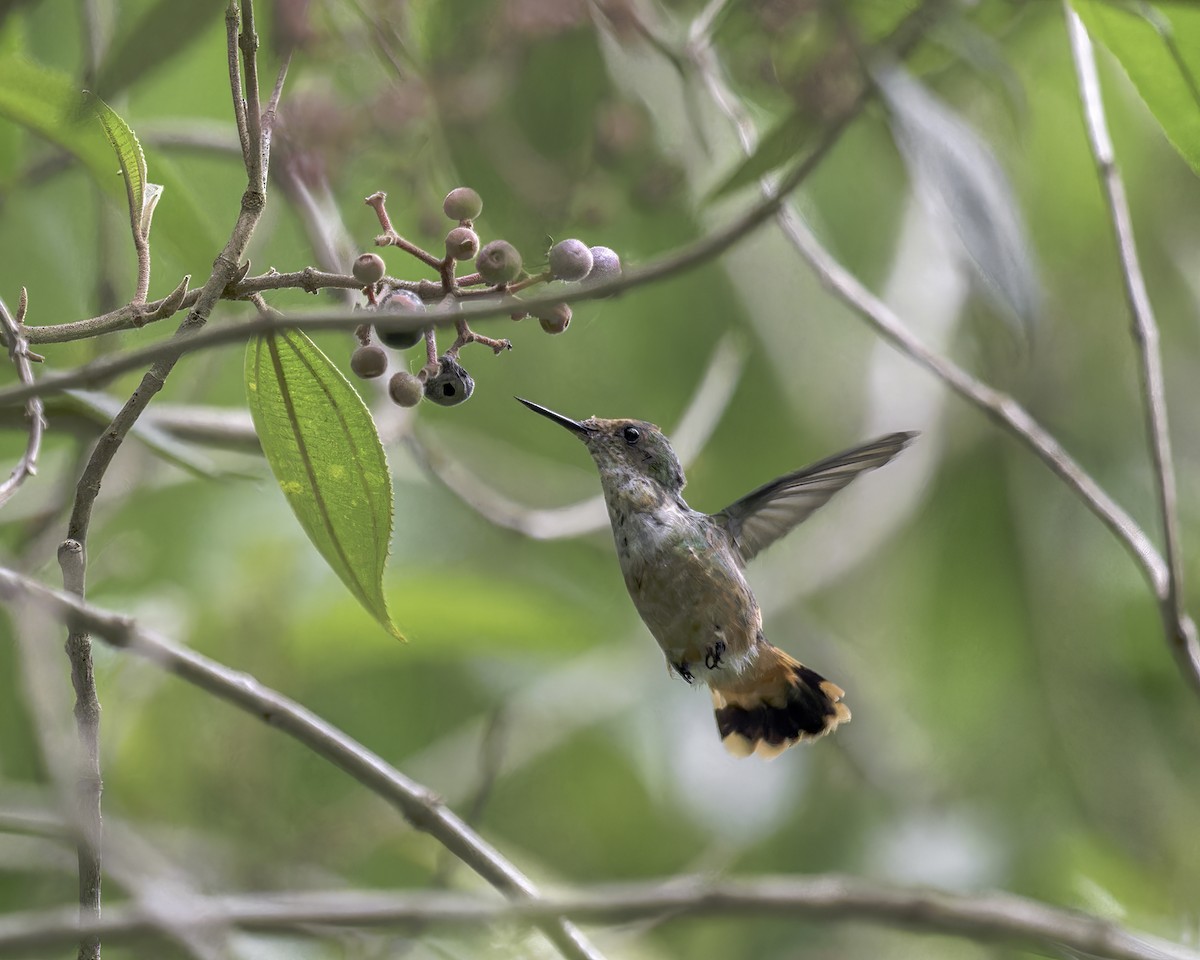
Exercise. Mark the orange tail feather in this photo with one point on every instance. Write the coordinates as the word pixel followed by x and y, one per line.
pixel 777 703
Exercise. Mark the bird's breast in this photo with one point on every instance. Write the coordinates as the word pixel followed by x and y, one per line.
pixel 686 583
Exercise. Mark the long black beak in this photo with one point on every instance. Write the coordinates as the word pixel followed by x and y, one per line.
pixel 573 425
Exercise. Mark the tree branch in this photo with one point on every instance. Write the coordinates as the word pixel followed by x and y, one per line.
pixel 420 806
pixel 72 553
pixel 310 280
pixel 1179 627
pixel 829 898
pixel 18 351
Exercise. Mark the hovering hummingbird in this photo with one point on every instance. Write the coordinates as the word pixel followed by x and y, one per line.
pixel 684 571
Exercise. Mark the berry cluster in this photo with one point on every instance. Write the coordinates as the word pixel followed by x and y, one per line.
pixel 498 270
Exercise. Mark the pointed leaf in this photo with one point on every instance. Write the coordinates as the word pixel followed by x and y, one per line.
pixel 1158 45
pixel 322 445
pixel 130 157
pixel 957 174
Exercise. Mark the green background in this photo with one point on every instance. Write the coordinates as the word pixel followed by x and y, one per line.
pixel 1018 720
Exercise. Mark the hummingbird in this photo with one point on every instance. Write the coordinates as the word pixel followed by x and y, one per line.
pixel 685 571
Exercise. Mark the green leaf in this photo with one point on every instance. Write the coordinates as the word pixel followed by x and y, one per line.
pixel 49 104
pixel 1159 47
pixel 162 33
pixel 131 159
pixel 322 445
pixel 782 143
pixel 958 176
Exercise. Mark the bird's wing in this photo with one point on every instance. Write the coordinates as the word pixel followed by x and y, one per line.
pixel 763 516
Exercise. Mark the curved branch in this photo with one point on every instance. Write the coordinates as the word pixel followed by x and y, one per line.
pixel 18 351
pixel 419 805
pixel 996 917
pixel 1181 631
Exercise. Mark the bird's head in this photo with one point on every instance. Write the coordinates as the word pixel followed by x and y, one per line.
pixel 624 448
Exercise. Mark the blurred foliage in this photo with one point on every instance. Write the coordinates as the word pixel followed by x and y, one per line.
pixel 1018 720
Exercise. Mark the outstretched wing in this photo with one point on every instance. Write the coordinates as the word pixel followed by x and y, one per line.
pixel 762 517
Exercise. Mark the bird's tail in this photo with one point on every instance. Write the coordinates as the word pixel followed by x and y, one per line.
pixel 775 703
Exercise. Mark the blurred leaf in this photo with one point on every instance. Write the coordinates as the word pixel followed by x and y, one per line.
pixel 955 171
pixel 456 612
pixel 102 407
pixel 1159 47
pixel 49 104
pixel 781 143
pixel 167 28
pixel 131 159
pixel 322 445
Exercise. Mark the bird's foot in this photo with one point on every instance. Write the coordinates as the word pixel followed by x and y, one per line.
pixel 712 656
pixel 681 668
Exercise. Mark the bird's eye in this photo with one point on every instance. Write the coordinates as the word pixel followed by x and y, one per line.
pixel 631 434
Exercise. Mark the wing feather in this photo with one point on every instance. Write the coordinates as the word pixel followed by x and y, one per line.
pixel 761 517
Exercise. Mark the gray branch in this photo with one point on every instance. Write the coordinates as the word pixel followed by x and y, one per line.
pixel 994 917
pixel 12 334
pixel 419 805
pixel 1180 629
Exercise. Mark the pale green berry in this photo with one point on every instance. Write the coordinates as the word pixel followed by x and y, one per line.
pixel 498 262
pixel 462 203
pixel 570 260
pixel 405 389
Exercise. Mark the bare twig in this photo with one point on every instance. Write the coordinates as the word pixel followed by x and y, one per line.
pixel 1180 630
pixel 310 280
pixel 18 352
pixel 257 155
pixel 995 917
pixel 420 806
pixel 999 406
pixel 72 553
pixel 232 22
pixel 89 786
pixel 378 202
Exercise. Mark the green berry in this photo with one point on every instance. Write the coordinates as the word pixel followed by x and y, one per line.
pixel 462 243
pixel 555 319
pixel 570 260
pixel 462 203
pixel 368 269
pixel 399 300
pixel 405 389
pixel 369 361
pixel 452 384
pixel 605 265
pixel 498 262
